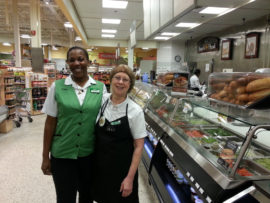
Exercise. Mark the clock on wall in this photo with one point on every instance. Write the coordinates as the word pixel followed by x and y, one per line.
pixel 177 58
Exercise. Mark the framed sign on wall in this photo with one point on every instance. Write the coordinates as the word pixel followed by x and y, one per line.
pixel 252 45
pixel 226 49
pixel 208 44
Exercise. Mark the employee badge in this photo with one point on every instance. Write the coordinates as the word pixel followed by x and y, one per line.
pixel 101 121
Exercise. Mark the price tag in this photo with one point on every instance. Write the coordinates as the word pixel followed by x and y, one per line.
pixel 221 118
pixel 168 99
pixel 201 190
pixel 188 174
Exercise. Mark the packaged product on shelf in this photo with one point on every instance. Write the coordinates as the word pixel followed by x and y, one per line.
pixel 239 88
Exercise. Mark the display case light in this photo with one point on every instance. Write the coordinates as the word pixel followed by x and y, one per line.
pixel 114 4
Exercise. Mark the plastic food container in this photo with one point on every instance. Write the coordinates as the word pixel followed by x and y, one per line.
pixel 239 88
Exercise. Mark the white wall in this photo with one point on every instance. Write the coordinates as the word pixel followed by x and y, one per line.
pixel 166 54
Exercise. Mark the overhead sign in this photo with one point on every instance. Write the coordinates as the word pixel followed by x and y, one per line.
pixel 106 56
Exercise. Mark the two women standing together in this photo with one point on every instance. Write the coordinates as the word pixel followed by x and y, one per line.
pixel 93 140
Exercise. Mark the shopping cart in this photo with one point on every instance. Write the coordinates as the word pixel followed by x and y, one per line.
pixel 23 105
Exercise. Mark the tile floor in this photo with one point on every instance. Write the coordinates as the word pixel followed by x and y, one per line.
pixel 21 180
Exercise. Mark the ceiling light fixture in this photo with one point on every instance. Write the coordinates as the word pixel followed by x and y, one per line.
pixel 7 44
pixel 54 48
pixel 25 36
pixel 78 39
pixel 162 38
pixel 190 25
pixel 111 21
pixel 114 4
pixel 68 25
pixel 170 34
pixel 214 10
pixel 145 48
pixel 107 36
pixel 108 31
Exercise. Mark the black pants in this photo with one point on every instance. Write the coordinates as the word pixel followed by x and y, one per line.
pixel 70 176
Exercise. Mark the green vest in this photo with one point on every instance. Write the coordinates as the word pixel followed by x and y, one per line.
pixel 74 135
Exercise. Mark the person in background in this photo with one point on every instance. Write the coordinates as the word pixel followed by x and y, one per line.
pixel 120 132
pixel 72 106
pixel 194 80
pixel 145 77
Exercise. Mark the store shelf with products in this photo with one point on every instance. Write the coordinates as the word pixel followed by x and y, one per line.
pixel 50 70
pixel 206 144
pixel 39 85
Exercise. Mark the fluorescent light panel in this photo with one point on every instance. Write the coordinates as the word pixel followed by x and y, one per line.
pixel 214 10
pixel 25 36
pixel 107 36
pixel 78 38
pixel 170 34
pixel 108 31
pixel 162 38
pixel 7 44
pixel 114 4
pixel 111 21
pixel 191 25
pixel 68 25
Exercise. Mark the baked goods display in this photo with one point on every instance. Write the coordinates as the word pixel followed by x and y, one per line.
pixel 180 83
pixel 239 88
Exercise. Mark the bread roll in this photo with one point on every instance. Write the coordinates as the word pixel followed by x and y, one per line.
pixel 243 97
pixel 259 84
pixel 233 84
pixel 222 93
pixel 241 90
pixel 258 95
pixel 218 86
pixel 241 81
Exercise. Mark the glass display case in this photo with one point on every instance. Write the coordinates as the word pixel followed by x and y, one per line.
pixel 205 150
pixel 142 92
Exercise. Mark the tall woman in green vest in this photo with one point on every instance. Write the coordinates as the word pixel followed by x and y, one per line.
pixel 72 106
pixel 120 133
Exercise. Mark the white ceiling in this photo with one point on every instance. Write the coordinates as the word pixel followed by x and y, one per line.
pixel 90 13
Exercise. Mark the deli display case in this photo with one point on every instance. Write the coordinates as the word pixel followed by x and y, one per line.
pixel 202 150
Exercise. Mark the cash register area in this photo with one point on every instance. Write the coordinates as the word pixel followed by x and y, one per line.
pixel 21 179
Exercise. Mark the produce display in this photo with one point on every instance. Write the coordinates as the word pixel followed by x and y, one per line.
pixel 218 132
pixel 239 88
pixel 265 162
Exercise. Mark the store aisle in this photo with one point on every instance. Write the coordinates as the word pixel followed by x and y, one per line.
pixel 21 179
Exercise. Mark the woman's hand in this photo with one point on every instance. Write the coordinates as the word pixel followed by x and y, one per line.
pixel 126 187
pixel 46 166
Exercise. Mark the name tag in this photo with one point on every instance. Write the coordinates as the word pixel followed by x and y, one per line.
pixel 95 91
pixel 116 122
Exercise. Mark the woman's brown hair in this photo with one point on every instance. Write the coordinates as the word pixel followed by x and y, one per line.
pixel 124 69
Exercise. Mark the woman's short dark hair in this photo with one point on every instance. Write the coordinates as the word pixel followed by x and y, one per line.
pixel 75 47
pixel 197 71
pixel 124 69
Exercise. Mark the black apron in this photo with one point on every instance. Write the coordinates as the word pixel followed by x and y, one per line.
pixel 113 155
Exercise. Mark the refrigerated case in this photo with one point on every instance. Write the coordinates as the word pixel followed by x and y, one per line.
pixel 200 150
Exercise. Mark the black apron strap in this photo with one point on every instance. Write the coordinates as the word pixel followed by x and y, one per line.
pixel 104 107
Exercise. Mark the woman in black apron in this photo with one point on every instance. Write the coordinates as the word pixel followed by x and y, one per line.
pixel 117 152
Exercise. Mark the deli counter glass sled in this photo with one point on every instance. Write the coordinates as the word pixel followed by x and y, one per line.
pixel 202 150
